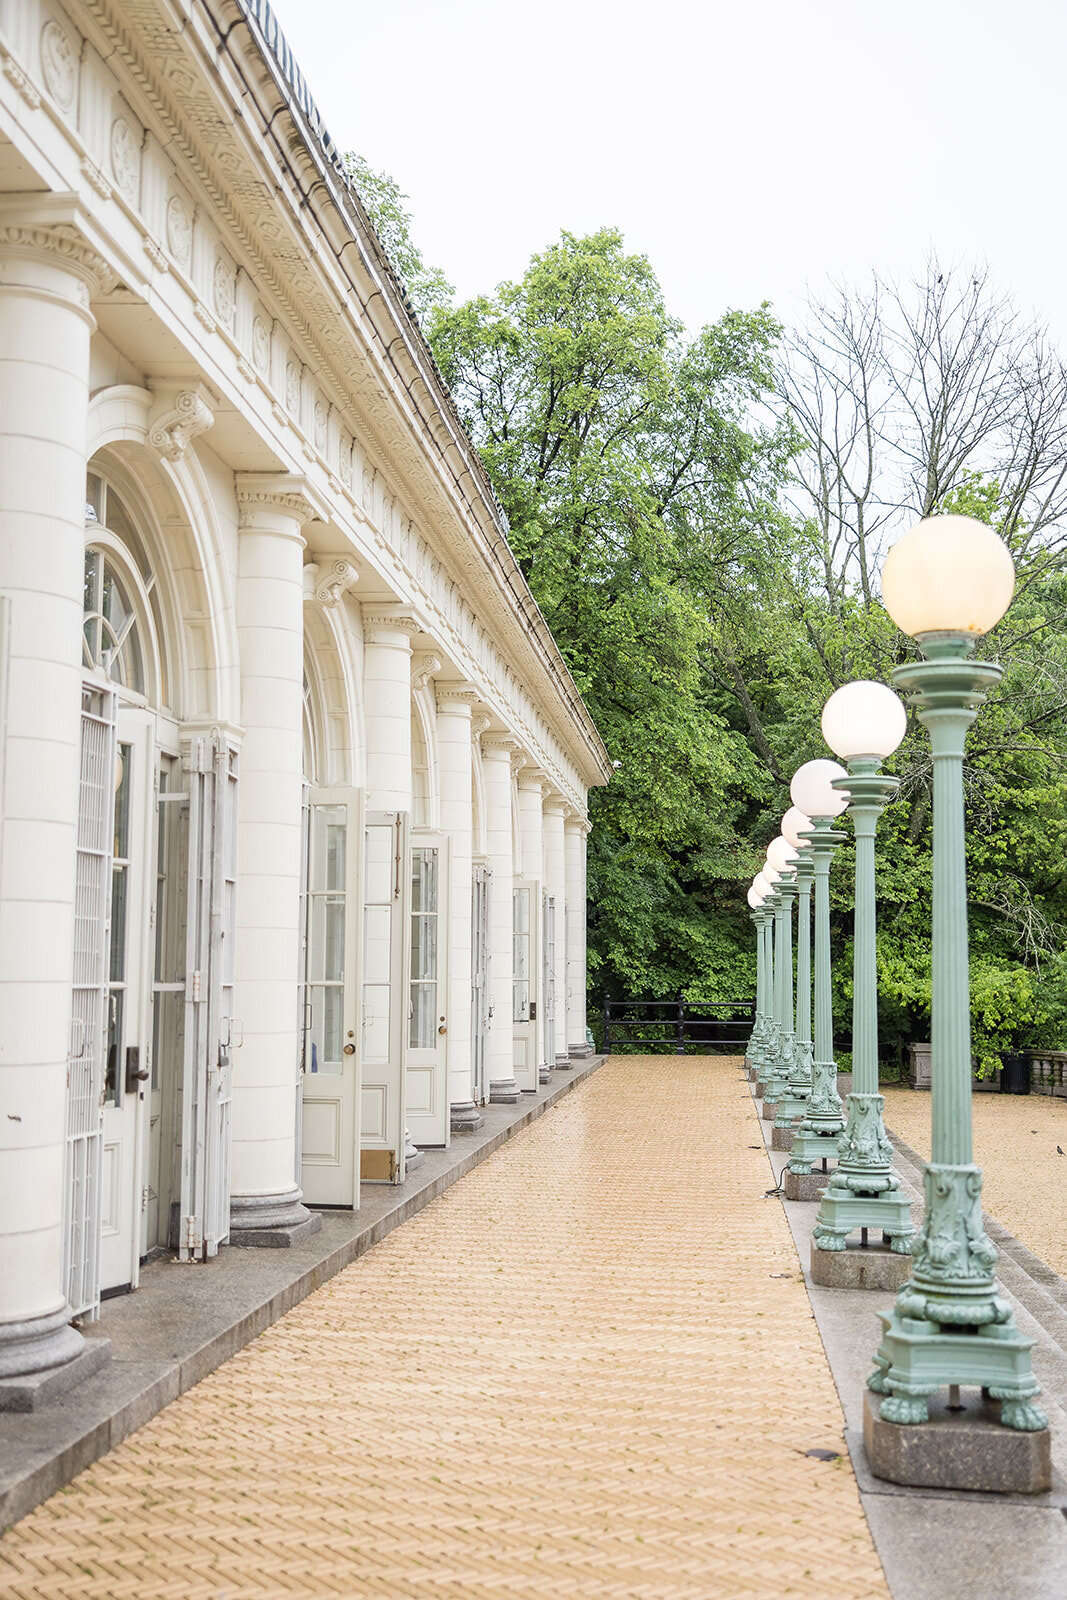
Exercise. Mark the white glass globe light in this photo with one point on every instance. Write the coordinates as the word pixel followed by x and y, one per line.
pixel 755 899
pixel 764 882
pixel 864 719
pixel 781 855
pixel 794 823
pixel 948 575
pixel 811 792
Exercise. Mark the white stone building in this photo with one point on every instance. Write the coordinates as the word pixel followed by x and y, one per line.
pixel 292 776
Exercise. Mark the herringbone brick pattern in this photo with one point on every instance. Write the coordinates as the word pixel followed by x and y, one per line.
pixel 588 1370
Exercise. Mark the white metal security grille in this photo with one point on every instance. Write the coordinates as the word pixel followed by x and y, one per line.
pixel 92 901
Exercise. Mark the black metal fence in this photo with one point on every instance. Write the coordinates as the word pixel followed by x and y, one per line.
pixel 646 1027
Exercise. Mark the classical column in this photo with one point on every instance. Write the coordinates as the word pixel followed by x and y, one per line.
pixel 387 636
pixel 454 702
pixel 45 278
pixel 497 750
pixel 575 832
pixel 265 1197
pixel 531 785
pixel 388 632
pixel 555 811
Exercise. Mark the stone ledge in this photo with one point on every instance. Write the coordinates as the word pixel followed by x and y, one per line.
pixel 860 1267
pixel 967 1449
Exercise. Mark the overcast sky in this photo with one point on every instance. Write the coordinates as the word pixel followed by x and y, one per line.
pixel 751 149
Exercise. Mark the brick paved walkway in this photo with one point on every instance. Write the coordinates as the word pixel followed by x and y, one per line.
pixel 588 1369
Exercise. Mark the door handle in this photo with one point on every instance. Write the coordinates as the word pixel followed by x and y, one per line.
pixel 442 1029
pixel 350 1049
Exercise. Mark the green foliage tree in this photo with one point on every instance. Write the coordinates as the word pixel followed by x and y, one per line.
pixel 426 287
pixel 634 480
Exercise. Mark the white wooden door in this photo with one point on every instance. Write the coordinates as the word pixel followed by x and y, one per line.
pixel 481 989
pixel 211 770
pixel 427 1036
pixel 159 1220
pixel 526 955
pixel 548 981
pixel 85 1068
pixel 330 1134
pixel 129 1002
pixel 384 997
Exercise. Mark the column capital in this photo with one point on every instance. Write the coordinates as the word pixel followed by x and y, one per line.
pixel 577 823
pixel 390 625
pixel 499 745
pixel 54 228
pixel 534 779
pixel 459 699
pixel 264 498
pixel 555 804
pixel 328 580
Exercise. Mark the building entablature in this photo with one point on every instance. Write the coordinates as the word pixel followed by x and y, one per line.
pixel 192 157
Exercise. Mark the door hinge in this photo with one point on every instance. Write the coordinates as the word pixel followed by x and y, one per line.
pixel 192 1231
pixel 144 1199
pixel 196 986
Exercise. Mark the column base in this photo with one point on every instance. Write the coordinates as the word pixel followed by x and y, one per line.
pixel 464 1117
pixel 43 1358
pixel 563 1061
pixel 859 1267
pixel 964 1448
pixel 505 1092
pixel 271 1221
pixel 844 1211
pixel 580 1051
pixel 544 1073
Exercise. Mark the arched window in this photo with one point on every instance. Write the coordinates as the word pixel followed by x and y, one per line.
pixel 121 628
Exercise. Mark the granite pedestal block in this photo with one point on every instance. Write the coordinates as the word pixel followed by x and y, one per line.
pixel 782 1139
pixel 770 1110
pixel 805 1185
pixel 759 1091
pixel 967 1448
pixel 860 1266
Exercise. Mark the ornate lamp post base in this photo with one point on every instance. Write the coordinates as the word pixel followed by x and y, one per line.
pixel 950 1325
pixel 864 1191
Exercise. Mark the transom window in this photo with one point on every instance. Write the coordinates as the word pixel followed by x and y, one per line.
pixel 112 642
pixel 120 600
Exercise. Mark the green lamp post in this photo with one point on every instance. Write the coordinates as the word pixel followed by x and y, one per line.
pixel 759 914
pixel 782 858
pixel 816 1138
pixel 794 1097
pixel 769 1062
pixel 763 883
pixel 947 582
pixel 864 722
